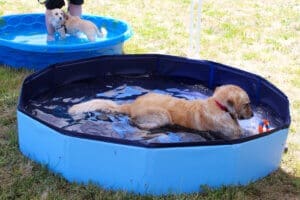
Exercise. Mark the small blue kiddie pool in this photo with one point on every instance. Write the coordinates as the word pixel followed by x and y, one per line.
pixel 23 41
pixel 108 150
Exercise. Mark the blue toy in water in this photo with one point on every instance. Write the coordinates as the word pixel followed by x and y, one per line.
pixel 23 41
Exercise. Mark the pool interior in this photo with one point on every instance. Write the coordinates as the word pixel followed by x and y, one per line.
pixel 51 107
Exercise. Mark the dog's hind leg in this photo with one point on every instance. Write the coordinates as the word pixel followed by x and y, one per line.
pixel 151 118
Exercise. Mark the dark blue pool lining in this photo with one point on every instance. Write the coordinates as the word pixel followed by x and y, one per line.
pixel 208 73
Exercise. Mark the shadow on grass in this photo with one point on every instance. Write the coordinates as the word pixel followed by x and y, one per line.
pixel 277 185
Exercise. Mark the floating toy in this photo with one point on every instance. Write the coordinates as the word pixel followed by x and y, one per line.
pixel 264 126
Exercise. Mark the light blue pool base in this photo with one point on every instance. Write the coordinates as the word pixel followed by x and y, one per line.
pixel 23 41
pixel 174 169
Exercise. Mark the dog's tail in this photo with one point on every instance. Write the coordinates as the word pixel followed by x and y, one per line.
pixel 99 105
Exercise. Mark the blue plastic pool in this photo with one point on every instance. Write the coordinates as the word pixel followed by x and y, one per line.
pixel 86 150
pixel 23 41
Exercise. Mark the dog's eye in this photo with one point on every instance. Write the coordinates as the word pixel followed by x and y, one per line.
pixel 56 13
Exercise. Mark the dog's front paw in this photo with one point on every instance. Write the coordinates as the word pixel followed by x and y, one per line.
pixel 237 133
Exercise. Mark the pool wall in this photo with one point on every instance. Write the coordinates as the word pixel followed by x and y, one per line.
pixel 157 169
pixel 37 60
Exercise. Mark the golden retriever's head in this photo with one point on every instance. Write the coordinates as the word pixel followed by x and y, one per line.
pixel 235 99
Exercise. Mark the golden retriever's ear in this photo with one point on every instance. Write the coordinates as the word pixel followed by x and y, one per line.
pixel 231 108
pixel 66 15
pixel 230 103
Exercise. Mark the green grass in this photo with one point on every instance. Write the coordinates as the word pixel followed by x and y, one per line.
pixel 258 36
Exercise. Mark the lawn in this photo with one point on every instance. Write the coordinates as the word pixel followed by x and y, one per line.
pixel 261 37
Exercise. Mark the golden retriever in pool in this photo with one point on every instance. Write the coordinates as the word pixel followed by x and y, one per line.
pixel 75 24
pixel 65 23
pixel 218 113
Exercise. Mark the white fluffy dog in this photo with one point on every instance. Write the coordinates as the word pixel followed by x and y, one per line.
pixel 57 20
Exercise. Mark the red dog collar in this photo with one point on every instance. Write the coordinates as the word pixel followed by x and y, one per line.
pixel 222 107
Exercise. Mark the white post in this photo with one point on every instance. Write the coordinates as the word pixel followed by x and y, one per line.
pixel 195 20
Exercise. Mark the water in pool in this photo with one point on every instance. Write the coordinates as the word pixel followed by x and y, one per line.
pixel 41 39
pixel 38 36
pixel 52 108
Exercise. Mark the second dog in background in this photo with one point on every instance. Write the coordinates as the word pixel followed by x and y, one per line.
pixel 64 23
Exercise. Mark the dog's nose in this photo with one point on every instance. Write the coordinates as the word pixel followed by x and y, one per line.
pixel 252 114
pixel 60 18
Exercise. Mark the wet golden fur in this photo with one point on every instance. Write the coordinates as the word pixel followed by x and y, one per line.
pixel 75 24
pixel 155 110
